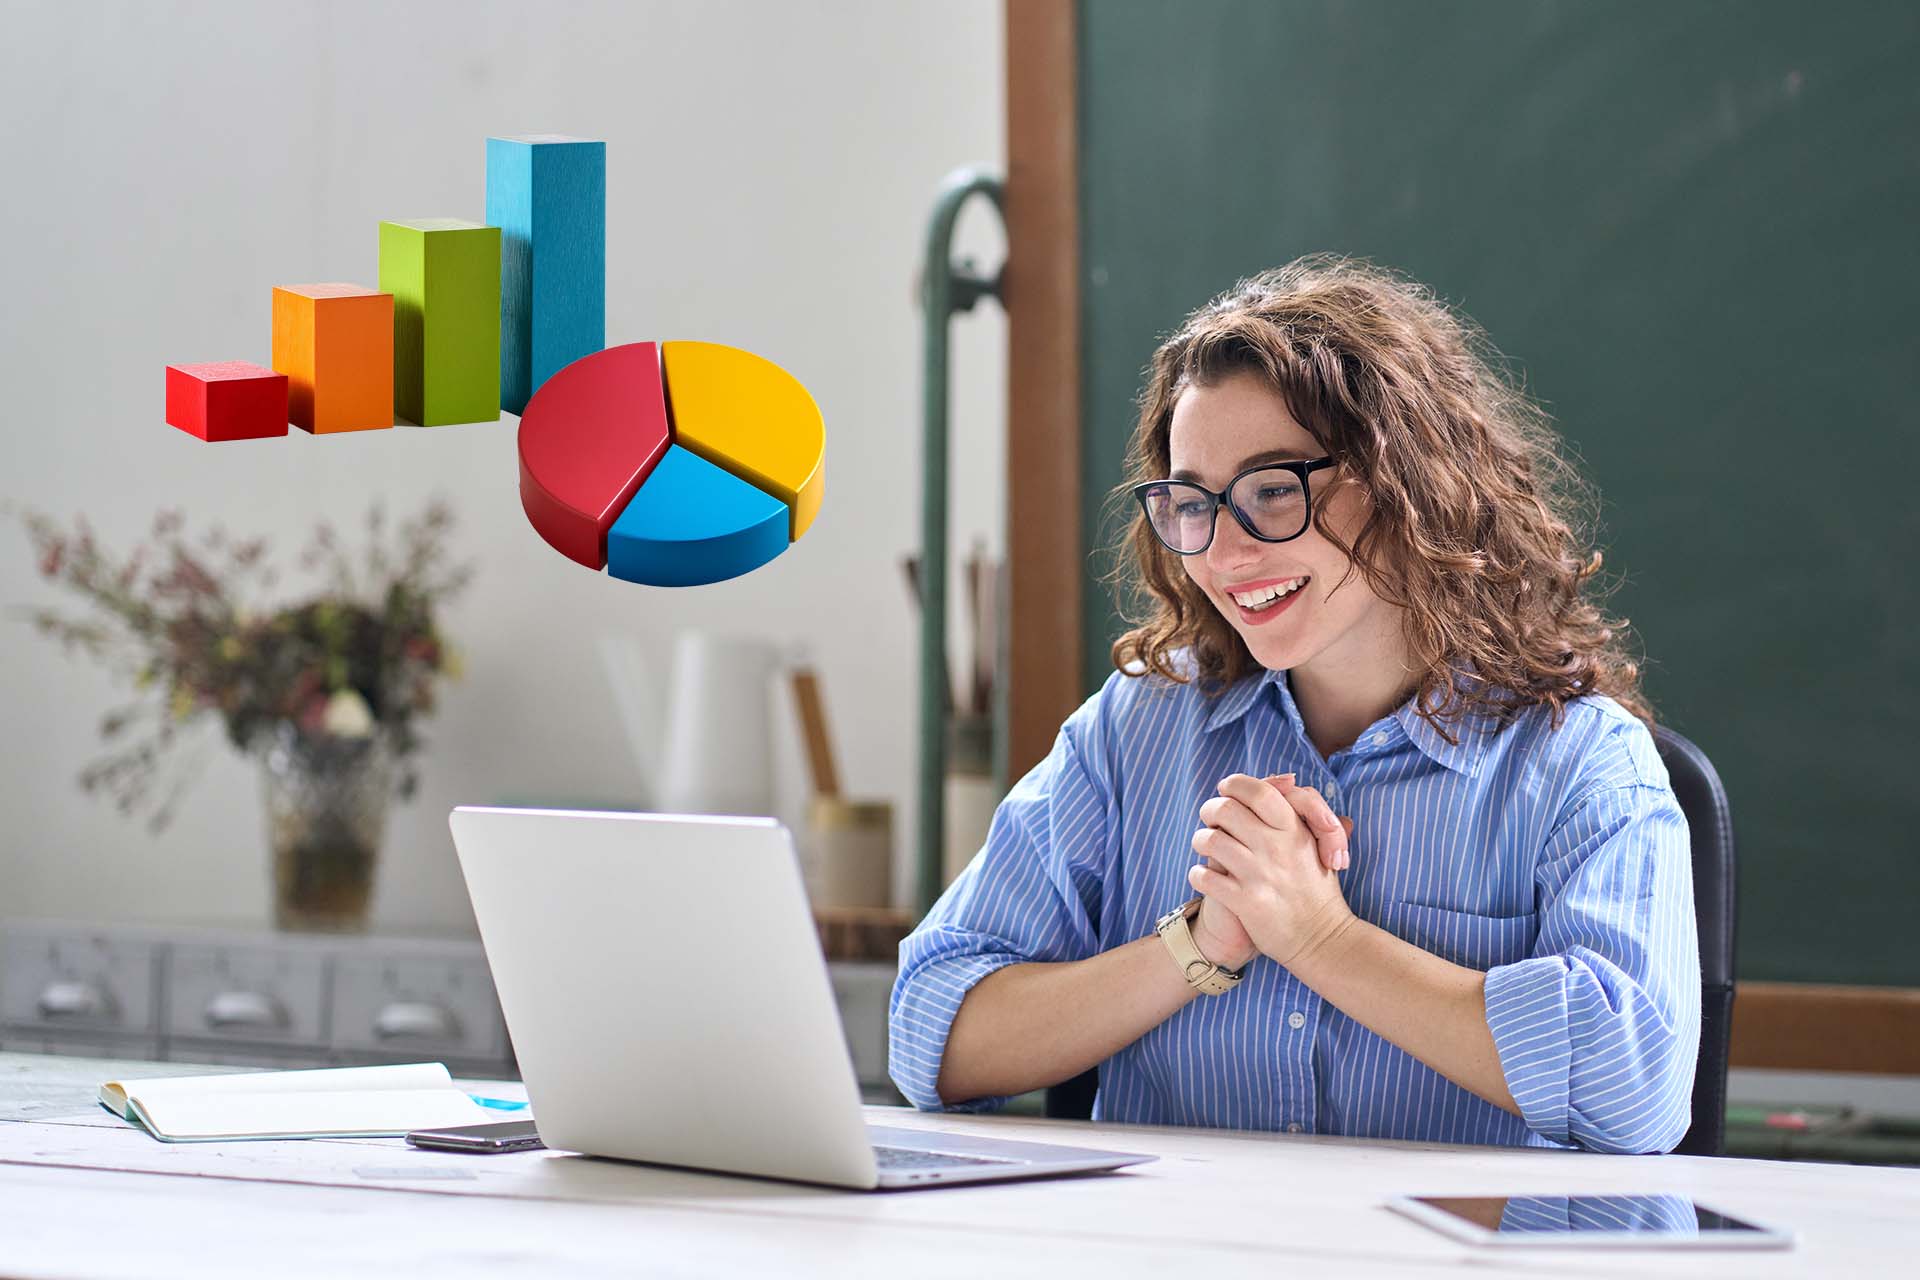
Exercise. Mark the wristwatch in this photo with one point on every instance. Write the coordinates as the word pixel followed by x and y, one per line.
pixel 1199 971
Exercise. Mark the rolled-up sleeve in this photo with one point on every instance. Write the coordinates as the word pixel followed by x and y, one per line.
pixel 1598 1030
pixel 1031 894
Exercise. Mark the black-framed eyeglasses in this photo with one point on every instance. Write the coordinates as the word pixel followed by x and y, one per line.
pixel 1272 501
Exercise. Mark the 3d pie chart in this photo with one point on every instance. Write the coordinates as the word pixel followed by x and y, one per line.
pixel 671 464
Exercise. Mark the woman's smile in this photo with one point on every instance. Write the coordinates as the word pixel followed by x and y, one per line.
pixel 1261 601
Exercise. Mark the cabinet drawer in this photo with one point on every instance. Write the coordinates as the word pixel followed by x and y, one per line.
pixel 862 992
pixel 417 1006
pixel 57 980
pixel 233 992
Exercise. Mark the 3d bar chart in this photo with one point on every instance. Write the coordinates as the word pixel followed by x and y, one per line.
pixel 548 195
pixel 335 344
pixel 444 275
pixel 672 464
pixel 468 317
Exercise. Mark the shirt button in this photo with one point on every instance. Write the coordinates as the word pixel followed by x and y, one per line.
pixel 1296 1020
pixel 1379 739
pixel 1293 1128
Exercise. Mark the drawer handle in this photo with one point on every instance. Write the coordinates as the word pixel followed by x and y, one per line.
pixel 415 1020
pixel 74 999
pixel 245 1009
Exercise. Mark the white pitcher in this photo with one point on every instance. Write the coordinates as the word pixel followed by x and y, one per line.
pixel 714 754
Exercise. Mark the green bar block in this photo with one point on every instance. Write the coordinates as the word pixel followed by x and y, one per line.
pixel 444 275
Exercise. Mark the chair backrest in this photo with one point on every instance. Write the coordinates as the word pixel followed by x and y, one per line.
pixel 1710 824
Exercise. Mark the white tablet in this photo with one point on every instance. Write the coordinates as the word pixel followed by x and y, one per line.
pixel 1603 1221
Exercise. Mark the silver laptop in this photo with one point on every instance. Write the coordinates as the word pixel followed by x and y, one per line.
pixel 668 1002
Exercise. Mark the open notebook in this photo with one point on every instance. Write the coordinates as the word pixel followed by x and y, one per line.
pixel 333 1102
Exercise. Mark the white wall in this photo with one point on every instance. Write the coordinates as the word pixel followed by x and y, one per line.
pixel 770 166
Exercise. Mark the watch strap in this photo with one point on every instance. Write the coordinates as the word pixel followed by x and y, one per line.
pixel 1201 973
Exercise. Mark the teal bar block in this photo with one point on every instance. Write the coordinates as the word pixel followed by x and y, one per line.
pixel 548 196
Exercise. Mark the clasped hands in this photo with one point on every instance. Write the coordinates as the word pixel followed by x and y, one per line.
pixel 1273 849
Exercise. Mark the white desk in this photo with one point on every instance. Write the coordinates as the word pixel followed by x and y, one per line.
pixel 82 1194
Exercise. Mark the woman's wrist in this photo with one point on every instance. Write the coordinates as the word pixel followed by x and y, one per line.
pixel 1216 952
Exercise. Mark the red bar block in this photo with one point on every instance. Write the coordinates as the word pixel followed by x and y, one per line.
pixel 227 400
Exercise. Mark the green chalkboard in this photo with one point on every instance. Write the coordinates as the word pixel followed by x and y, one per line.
pixel 1696 228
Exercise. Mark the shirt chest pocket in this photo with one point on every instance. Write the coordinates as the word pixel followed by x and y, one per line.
pixel 1464 937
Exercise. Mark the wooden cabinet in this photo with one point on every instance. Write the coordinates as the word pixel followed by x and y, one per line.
pixel 237 998
pixel 248 999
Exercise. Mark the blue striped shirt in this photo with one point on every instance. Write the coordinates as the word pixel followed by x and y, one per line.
pixel 1555 861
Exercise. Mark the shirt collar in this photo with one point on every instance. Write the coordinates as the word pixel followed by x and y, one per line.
pixel 1463 757
pixel 1239 697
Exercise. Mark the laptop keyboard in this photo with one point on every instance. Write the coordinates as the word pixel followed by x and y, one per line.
pixel 893 1159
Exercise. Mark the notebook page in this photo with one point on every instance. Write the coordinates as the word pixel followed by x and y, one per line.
pixel 114 1094
pixel 319 1113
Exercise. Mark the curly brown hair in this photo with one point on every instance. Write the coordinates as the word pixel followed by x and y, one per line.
pixel 1475 522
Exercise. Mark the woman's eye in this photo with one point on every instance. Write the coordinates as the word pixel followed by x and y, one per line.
pixel 1278 492
pixel 1190 509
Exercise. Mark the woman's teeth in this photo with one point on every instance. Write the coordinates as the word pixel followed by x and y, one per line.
pixel 1263 597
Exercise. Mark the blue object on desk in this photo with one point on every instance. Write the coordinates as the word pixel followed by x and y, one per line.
pixel 498 1104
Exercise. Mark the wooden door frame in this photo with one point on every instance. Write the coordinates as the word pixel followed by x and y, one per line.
pixel 1041 290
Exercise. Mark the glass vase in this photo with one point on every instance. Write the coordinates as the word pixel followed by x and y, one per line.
pixel 326 802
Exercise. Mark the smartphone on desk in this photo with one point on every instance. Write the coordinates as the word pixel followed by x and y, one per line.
pixel 482 1139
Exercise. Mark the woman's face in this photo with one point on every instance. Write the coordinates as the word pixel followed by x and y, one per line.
pixel 1219 431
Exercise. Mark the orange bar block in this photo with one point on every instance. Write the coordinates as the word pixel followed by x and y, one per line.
pixel 335 344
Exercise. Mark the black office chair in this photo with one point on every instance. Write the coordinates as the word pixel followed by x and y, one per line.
pixel 1710 826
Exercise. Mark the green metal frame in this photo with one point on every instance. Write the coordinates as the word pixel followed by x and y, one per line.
pixel 946 287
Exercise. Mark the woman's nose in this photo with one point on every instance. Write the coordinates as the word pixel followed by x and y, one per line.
pixel 1232 545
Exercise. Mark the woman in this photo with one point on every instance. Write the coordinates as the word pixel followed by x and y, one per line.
pixel 1375 697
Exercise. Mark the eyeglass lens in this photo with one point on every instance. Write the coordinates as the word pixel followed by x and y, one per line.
pixel 1272 501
